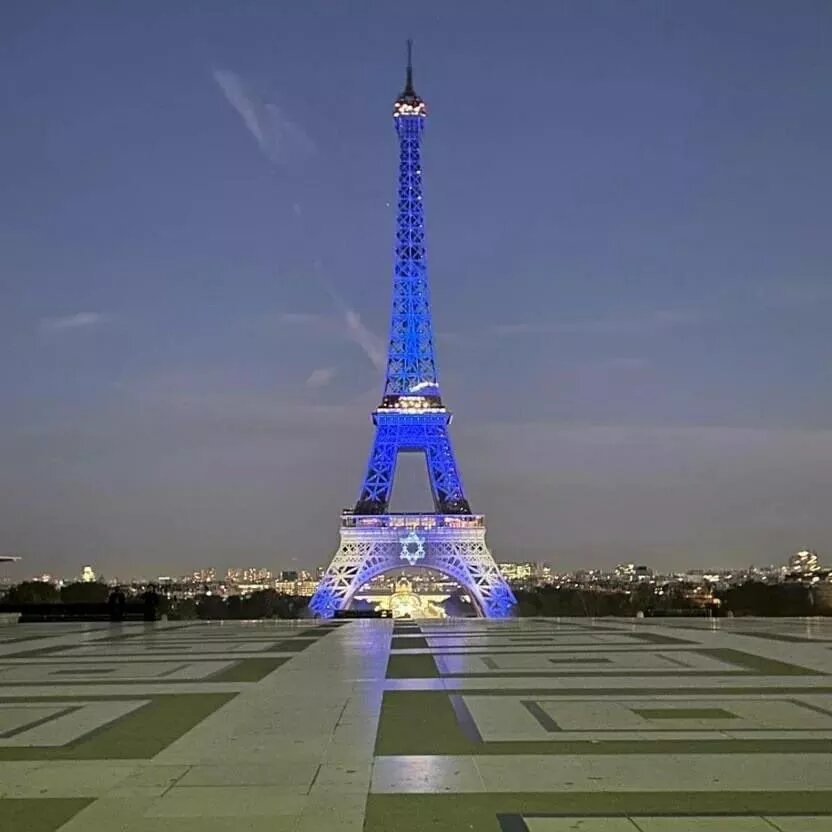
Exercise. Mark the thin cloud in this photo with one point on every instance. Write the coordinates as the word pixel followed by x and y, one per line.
pixel 80 320
pixel 347 324
pixel 280 139
pixel 295 318
pixel 796 294
pixel 320 377
pixel 656 321
pixel 372 345
pixel 624 363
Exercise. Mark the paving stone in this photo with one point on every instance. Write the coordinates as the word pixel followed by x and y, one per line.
pixel 729 721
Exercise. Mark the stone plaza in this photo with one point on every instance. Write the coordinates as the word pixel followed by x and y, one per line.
pixel 536 725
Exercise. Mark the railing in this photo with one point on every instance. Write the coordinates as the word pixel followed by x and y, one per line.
pixel 411 521
pixel 80 611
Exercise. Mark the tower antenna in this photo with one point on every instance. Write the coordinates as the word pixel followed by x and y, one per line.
pixel 408 87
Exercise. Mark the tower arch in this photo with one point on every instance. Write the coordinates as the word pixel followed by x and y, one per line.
pixel 355 588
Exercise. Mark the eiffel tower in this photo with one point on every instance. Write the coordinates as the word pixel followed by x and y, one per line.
pixel 412 419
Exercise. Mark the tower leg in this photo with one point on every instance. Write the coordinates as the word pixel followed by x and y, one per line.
pixel 402 433
pixel 381 467
pixel 444 475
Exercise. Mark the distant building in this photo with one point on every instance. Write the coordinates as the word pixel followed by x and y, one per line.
pixel 249 575
pixel 404 603
pixel 517 571
pixel 633 572
pixel 403 599
pixel 87 575
pixel 803 562
pixel 300 586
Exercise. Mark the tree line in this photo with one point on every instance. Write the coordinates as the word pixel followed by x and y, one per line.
pixel 751 598
pixel 265 603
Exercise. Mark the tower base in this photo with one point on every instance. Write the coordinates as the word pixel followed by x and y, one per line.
pixel 453 544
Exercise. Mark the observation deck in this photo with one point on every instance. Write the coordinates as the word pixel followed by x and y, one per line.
pixel 411 520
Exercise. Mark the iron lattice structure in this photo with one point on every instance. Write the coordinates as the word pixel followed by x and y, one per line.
pixel 412 418
pixel 451 544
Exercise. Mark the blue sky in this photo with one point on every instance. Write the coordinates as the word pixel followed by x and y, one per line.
pixel 628 212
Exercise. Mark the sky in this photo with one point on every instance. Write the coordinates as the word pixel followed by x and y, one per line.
pixel 628 210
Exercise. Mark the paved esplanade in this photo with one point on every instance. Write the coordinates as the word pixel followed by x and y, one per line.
pixel 542 725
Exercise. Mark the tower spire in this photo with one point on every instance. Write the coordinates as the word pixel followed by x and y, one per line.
pixel 408 103
pixel 408 87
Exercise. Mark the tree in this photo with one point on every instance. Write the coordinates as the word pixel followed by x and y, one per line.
pixel 456 607
pixel 182 609
pixel 84 592
pixel 528 603
pixel 211 607
pixel 643 598
pixel 757 598
pixel 33 592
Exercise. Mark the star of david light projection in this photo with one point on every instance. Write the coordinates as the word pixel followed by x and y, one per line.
pixel 413 548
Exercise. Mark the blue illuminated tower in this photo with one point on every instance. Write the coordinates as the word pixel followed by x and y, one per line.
pixel 411 416
pixel 412 419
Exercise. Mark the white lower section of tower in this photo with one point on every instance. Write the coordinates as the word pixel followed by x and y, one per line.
pixel 448 543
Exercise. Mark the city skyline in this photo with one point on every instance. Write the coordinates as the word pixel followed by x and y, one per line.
pixel 802 561
pixel 629 270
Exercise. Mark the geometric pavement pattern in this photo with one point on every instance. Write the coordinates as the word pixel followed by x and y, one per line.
pixel 534 725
